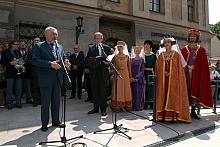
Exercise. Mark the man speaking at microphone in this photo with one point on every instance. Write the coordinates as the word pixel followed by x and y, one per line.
pixel 98 69
pixel 48 57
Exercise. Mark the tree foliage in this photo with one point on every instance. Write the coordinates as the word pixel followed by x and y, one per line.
pixel 216 29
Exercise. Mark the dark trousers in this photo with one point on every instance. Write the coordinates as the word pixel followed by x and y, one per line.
pixel 99 86
pixel 27 89
pixel 88 86
pixel 76 80
pixel 50 95
pixel 9 91
pixel 35 90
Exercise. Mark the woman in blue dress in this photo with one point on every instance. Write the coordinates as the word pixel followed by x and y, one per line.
pixel 138 79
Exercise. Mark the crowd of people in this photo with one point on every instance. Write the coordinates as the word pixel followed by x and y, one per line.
pixel 182 76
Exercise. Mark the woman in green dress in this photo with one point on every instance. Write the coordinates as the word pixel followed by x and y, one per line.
pixel 150 60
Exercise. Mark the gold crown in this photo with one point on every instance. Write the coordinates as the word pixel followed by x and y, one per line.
pixel 194 31
pixel 121 43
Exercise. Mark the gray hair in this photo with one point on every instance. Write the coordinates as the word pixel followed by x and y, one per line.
pixel 98 34
pixel 50 29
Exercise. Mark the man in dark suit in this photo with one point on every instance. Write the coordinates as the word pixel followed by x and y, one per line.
pixel 99 72
pixel 34 75
pixel 48 57
pixel 26 76
pixel 87 80
pixel 76 61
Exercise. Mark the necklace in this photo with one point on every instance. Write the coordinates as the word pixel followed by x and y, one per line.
pixel 167 55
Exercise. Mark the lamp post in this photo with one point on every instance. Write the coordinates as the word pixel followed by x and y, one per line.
pixel 79 21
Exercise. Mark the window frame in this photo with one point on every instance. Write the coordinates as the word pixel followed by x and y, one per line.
pixel 190 8
pixel 155 5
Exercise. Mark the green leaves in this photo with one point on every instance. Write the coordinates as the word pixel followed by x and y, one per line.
pixel 216 29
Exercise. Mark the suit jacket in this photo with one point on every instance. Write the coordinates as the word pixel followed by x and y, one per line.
pixel 41 57
pixel 96 64
pixel 7 57
pixel 78 61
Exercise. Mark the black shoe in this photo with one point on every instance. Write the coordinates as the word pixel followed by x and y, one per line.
pixel 29 102
pixel 44 128
pixel 18 106
pixel 71 97
pixel 9 107
pixel 87 100
pixel 194 115
pixel 35 104
pixel 103 113
pixel 59 125
pixel 93 111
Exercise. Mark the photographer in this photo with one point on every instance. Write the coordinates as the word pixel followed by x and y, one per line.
pixel 10 60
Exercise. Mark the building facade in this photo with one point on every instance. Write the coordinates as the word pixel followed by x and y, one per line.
pixel 130 20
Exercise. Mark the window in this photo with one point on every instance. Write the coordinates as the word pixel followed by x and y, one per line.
pixel 28 31
pixel 190 5
pixel 115 1
pixel 155 5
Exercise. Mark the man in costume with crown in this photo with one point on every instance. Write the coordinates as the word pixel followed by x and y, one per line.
pixel 197 73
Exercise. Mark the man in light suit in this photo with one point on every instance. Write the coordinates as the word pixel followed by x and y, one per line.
pixel 99 72
pixel 48 56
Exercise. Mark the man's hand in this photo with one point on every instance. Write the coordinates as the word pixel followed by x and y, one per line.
pixel 106 62
pixel 55 65
pixel 14 62
pixel 67 63
pixel 86 70
pixel 75 67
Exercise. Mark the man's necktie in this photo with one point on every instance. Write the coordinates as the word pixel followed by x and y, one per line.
pixel 99 50
pixel 76 54
pixel 54 51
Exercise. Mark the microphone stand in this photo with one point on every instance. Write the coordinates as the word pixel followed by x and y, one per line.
pixel 63 140
pixel 116 128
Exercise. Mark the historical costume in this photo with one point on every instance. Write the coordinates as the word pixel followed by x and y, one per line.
pixel 197 73
pixel 171 93
pixel 149 66
pixel 121 89
pixel 138 78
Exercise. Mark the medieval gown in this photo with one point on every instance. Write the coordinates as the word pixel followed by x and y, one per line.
pixel 150 61
pixel 171 92
pixel 121 89
pixel 138 88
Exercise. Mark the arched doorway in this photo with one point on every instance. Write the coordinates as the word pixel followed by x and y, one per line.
pixel 115 29
pixel 112 42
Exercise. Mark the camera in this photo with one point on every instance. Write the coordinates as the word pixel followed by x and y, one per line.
pixel 20 66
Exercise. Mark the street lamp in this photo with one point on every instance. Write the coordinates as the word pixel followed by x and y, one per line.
pixel 79 21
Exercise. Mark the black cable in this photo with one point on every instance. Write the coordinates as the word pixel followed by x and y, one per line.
pixel 154 124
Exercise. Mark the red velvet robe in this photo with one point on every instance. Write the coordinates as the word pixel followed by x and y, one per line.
pixel 201 85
